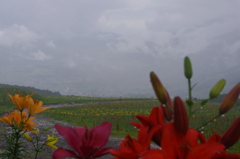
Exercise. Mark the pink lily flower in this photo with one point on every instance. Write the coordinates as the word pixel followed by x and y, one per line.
pixel 88 144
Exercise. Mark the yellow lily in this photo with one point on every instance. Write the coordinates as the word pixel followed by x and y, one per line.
pixel 51 141
pixel 28 137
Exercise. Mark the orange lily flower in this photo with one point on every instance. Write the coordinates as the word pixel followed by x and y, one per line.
pixel 8 119
pixel 20 101
pixel 36 107
pixel 20 119
pixel 28 123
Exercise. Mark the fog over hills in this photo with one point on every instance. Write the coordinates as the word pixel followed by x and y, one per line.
pixel 108 48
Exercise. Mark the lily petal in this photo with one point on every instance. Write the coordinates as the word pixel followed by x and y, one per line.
pixel 70 136
pixel 100 134
pixel 104 151
pixel 207 150
pixel 62 153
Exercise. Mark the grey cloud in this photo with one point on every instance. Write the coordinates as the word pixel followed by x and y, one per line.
pixel 17 36
pixel 109 47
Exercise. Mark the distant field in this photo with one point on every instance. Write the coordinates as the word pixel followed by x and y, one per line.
pixel 55 99
pixel 7 105
pixel 121 114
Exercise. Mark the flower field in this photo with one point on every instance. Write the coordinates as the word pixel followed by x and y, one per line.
pixel 121 114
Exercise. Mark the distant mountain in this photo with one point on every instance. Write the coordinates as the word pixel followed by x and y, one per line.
pixel 32 89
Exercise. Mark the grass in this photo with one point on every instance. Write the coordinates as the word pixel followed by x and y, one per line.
pixel 121 114
pixel 55 99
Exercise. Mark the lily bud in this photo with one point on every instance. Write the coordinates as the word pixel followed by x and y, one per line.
pixel 158 88
pixel 218 87
pixel 28 137
pixel 231 136
pixel 187 68
pixel 230 99
pixel 168 114
pixel 180 116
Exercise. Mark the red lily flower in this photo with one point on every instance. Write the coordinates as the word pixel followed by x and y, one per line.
pixel 229 138
pixel 180 141
pixel 156 118
pixel 87 143
pixel 131 148
pixel 175 145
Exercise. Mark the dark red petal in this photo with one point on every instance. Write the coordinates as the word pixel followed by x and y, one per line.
pixel 123 155
pixel 137 125
pixel 180 116
pixel 171 141
pixel 144 120
pixel 231 136
pixel 145 135
pixel 224 155
pixel 81 132
pixel 207 150
pixel 100 134
pixel 202 138
pixel 214 138
pixel 70 136
pixel 62 153
pixel 104 151
pixel 156 116
pixel 192 137
pixel 153 154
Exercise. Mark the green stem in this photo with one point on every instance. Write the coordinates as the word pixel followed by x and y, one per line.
pixel 189 89
pixel 198 129
pixel 37 149
pixel 170 109
pixel 189 98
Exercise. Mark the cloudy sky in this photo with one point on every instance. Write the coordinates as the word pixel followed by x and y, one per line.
pixel 108 47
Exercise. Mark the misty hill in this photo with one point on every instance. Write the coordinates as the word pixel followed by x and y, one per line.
pixel 5 100
pixel 31 89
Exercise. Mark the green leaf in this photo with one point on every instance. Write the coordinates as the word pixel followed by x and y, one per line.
pixel 204 102
pixel 193 86
pixel 46 129
pixel 189 103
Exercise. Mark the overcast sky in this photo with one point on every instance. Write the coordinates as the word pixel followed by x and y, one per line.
pixel 72 46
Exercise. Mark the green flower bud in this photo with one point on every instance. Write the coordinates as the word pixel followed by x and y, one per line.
pixel 187 68
pixel 158 88
pixel 218 87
